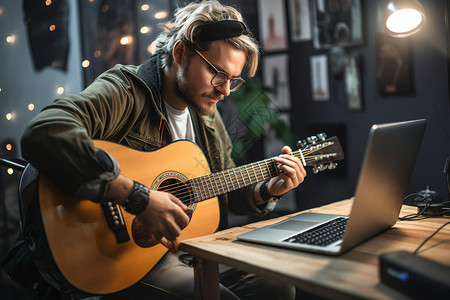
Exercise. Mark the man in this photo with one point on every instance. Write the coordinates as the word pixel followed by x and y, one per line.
pixel 197 62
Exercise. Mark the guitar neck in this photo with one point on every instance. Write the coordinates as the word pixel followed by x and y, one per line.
pixel 208 186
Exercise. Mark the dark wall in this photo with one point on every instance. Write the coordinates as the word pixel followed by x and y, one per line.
pixel 429 99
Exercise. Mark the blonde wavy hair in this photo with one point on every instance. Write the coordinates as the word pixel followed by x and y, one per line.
pixel 185 24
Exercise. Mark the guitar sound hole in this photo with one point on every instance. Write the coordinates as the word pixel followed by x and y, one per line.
pixel 178 188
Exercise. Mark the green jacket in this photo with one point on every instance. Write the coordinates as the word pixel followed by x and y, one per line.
pixel 123 105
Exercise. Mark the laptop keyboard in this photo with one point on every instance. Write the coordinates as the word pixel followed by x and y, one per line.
pixel 322 235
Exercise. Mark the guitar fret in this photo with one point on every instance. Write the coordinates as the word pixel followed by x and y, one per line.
pixel 220 181
pixel 249 179
pixel 256 176
pixel 242 175
pixel 237 180
pixel 231 179
pixel 215 182
pixel 262 173
pixel 199 189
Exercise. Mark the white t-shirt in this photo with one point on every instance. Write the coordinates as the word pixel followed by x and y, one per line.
pixel 180 123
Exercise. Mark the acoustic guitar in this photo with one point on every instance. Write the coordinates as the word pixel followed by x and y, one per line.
pixel 101 249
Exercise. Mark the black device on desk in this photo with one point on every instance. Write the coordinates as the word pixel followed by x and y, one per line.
pixel 414 275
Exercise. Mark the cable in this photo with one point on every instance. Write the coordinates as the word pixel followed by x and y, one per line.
pixel 428 238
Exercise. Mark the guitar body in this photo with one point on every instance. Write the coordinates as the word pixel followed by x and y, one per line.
pixel 83 245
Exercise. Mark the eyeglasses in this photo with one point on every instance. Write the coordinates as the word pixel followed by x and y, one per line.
pixel 221 77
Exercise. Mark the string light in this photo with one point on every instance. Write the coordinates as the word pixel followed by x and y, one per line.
pixel 126 40
pixel 145 29
pixel 60 90
pixel 9 116
pixel 11 39
pixel 52 27
pixel 8 147
pixel 161 14
pixel 145 7
pixel 48 2
pixel 97 53
pixel 10 171
pixel 85 63
pixel 30 106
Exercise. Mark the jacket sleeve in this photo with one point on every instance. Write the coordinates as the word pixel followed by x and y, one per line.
pixel 58 141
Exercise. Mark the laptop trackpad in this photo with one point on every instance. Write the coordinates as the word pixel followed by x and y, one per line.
pixel 293 225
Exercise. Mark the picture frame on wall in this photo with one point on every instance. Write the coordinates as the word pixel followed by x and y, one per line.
pixel 276 77
pixel 394 65
pixel 300 20
pixel 319 77
pixel 353 86
pixel 337 23
pixel 272 25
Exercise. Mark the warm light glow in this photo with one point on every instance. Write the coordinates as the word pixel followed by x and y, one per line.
pixel 161 14
pixel 150 48
pixel 1 11
pixel 145 29
pixel 167 25
pixel 10 39
pixel 48 2
pixel 10 171
pixel 404 20
pixel 9 116
pixel 60 90
pixel 8 147
pixel 126 40
pixel 52 27
pixel 145 7
pixel 85 63
pixel 30 106
pixel 97 53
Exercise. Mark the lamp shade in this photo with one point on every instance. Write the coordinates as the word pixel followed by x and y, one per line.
pixel 403 17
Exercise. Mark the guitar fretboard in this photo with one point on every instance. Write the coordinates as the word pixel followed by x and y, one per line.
pixel 211 185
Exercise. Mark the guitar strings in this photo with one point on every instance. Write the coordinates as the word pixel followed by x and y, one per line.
pixel 185 190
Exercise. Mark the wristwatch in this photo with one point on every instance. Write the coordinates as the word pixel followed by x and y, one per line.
pixel 265 195
pixel 138 200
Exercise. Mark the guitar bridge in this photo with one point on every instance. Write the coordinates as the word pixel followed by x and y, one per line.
pixel 116 222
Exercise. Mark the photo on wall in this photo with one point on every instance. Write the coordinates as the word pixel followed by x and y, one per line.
pixel 319 78
pixel 276 77
pixel 300 18
pixel 394 67
pixel 353 86
pixel 272 25
pixel 337 23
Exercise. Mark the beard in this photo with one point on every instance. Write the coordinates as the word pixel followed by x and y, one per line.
pixel 185 92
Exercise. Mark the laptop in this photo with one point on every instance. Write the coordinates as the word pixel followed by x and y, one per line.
pixel 389 159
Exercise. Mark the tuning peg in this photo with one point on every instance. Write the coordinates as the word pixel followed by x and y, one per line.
pixel 332 165
pixel 302 143
pixel 322 136
pixel 319 168
pixel 312 139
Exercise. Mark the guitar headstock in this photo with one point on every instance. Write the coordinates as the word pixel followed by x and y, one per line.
pixel 320 153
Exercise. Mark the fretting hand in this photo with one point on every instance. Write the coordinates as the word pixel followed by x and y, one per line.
pixel 290 173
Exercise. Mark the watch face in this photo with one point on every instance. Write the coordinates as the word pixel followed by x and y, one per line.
pixel 138 200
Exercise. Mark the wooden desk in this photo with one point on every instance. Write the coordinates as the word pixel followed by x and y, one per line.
pixel 351 275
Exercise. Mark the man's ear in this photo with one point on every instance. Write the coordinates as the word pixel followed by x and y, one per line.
pixel 178 52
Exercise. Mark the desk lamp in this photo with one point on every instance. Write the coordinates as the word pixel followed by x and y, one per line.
pixel 403 18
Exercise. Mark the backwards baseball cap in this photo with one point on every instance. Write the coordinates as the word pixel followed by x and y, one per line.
pixel 219 30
